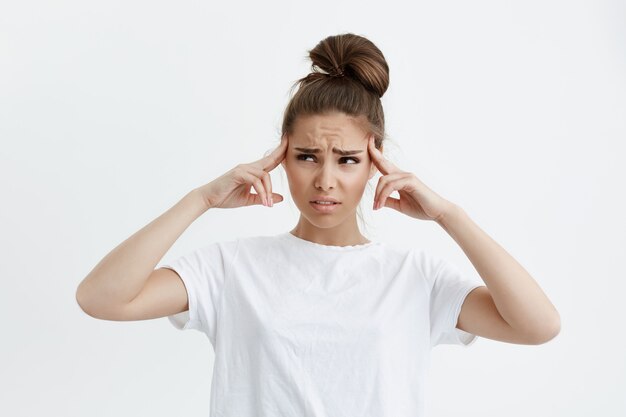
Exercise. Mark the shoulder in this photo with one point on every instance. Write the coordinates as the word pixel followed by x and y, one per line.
pixel 224 249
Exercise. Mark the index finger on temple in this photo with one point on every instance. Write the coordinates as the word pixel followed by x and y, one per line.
pixel 272 160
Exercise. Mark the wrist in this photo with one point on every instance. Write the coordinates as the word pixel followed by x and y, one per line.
pixel 198 200
pixel 448 212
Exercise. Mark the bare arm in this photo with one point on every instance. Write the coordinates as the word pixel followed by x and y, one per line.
pixel 124 284
pixel 121 275
pixel 511 291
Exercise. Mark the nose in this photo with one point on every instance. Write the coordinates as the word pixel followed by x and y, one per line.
pixel 325 177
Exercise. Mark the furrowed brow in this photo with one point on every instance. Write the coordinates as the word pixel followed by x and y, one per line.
pixel 335 150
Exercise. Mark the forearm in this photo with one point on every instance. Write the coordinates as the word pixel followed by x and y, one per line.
pixel 123 272
pixel 517 296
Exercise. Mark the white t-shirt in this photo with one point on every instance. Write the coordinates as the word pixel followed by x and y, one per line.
pixel 310 330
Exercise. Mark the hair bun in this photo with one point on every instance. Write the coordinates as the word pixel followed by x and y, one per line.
pixel 351 56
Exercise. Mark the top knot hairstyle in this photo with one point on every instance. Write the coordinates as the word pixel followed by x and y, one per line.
pixel 349 75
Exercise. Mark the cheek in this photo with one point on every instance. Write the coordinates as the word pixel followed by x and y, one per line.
pixel 357 183
pixel 296 179
pixel 362 173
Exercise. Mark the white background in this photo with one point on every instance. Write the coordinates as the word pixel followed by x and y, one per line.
pixel 111 111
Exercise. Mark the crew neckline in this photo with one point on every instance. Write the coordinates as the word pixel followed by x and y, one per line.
pixel 308 243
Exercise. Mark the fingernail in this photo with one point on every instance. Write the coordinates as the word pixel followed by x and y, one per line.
pixel 271 201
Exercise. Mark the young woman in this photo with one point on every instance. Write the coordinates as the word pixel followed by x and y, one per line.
pixel 320 321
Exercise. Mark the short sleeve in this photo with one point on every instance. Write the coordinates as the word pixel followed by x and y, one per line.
pixel 203 272
pixel 448 292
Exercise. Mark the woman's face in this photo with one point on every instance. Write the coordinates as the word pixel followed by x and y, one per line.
pixel 315 167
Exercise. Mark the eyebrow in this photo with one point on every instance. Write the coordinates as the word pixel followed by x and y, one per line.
pixel 335 150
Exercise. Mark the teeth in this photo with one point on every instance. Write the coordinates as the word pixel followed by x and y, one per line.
pixel 324 202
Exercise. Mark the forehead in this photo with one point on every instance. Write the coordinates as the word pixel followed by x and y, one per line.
pixel 331 128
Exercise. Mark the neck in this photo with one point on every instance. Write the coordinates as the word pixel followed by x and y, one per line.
pixel 345 234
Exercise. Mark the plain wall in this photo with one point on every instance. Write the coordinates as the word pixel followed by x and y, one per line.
pixel 111 111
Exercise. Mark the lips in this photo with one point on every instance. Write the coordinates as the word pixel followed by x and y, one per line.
pixel 322 199
pixel 324 208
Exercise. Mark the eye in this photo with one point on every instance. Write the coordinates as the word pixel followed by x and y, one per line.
pixel 304 156
pixel 356 161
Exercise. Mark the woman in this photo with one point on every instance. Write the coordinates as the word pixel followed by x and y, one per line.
pixel 320 321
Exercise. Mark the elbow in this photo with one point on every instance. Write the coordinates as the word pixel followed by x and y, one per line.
pixel 81 302
pixel 548 332
pixel 97 307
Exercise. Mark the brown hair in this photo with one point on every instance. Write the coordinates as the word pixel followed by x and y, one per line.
pixel 354 76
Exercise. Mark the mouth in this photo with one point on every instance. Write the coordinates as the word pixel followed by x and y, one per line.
pixel 324 206
pixel 325 202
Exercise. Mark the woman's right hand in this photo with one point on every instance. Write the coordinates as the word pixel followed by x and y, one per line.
pixel 233 188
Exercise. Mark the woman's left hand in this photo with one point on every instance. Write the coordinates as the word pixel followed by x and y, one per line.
pixel 416 199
